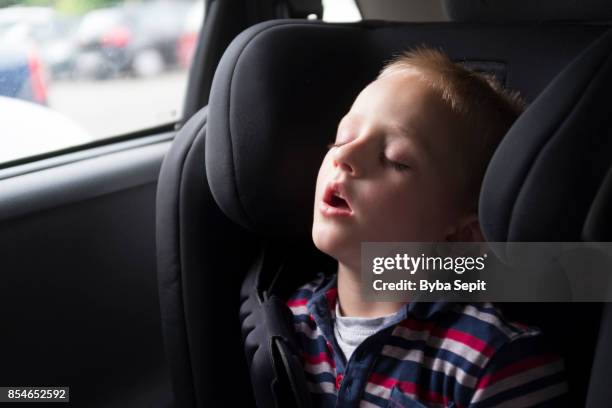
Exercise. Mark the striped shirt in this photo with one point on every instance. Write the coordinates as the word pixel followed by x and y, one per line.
pixel 437 354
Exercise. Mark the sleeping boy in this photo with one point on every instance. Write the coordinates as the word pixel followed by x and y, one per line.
pixel 407 165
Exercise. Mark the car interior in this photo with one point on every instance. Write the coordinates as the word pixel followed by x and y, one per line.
pixel 128 265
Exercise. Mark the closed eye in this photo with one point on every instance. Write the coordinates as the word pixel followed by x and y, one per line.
pixel 393 164
pixel 332 145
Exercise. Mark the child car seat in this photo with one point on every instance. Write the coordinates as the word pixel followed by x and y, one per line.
pixel 277 97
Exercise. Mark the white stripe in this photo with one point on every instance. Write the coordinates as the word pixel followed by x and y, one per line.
pixel 378 390
pixel 510 330
pixel 385 393
pixel 473 356
pixel 322 387
pixel 403 354
pixel 312 285
pixel 489 318
pixel 536 397
pixel 435 364
pixel 299 310
pixel 367 404
pixel 518 380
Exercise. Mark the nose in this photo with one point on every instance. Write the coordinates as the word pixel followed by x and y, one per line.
pixel 346 158
pixel 343 165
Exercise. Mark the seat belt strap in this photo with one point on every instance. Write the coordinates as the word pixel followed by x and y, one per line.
pixel 274 359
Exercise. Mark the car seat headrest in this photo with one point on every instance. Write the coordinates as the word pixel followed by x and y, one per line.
pixel 274 106
pixel 527 10
pixel 546 172
pixel 282 86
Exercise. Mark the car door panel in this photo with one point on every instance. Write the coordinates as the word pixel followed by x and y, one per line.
pixel 78 292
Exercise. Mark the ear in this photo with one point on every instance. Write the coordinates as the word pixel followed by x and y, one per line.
pixel 466 230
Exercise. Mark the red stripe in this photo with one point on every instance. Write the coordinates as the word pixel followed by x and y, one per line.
pixel 454 334
pixel 319 358
pixel 297 302
pixel 516 368
pixel 387 382
pixel 409 387
pixel 339 378
pixel 332 295
pixel 415 324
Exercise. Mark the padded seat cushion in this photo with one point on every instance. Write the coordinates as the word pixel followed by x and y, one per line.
pixel 544 176
pixel 282 87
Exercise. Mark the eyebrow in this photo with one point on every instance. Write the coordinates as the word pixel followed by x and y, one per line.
pixel 405 130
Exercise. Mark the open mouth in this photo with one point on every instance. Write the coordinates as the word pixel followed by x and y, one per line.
pixel 335 201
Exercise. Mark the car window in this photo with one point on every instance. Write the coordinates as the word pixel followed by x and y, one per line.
pixel 77 71
pixel 340 11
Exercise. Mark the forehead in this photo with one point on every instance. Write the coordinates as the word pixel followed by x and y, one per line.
pixel 405 104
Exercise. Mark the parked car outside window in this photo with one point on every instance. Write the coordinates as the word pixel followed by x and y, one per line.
pixel 109 70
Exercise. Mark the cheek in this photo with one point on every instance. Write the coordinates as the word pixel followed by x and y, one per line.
pixel 384 205
pixel 323 174
pixel 405 213
pixel 396 207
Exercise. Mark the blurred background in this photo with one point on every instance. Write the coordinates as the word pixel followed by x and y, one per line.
pixel 77 71
pixel 94 68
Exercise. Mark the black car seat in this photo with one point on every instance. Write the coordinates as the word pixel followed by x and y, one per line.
pixel 277 97
pixel 597 229
pixel 548 181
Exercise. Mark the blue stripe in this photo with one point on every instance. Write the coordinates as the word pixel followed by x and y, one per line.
pixel 425 378
pixel 507 352
pixel 381 402
pixel 523 389
pixel 494 312
pixel 433 352
pixel 323 400
pixel 484 331
pixel 519 349
pixel 305 318
pixel 313 347
pixel 322 377
pixel 302 294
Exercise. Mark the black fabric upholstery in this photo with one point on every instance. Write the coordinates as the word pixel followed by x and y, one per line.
pixel 543 184
pixel 527 10
pixel 276 99
pixel 599 390
pixel 597 228
pixel 282 87
pixel 543 177
pixel 197 249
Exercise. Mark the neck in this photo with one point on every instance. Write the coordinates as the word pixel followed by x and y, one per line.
pixel 351 301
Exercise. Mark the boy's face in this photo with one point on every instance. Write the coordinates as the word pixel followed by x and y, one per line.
pixel 393 174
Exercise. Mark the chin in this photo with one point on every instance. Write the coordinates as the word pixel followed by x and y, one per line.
pixel 337 244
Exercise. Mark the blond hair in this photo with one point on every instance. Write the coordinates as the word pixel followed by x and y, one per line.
pixel 484 106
